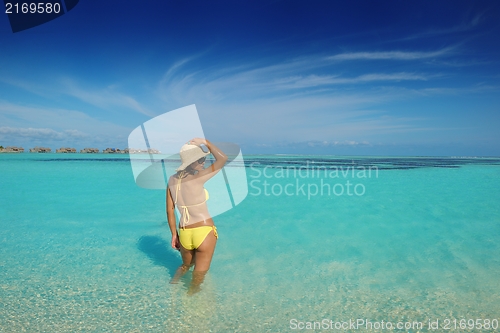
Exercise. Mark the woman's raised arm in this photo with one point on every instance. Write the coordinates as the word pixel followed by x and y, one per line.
pixel 220 157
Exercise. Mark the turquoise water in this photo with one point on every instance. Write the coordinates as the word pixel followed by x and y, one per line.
pixel 83 248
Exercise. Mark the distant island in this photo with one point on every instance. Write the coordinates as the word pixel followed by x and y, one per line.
pixel 69 150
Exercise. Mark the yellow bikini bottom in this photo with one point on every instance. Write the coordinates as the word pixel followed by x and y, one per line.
pixel 193 237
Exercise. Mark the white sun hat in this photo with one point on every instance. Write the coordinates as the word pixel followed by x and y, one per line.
pixel 190 153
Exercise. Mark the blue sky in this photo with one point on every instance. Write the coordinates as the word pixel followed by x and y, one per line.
pixel 315 77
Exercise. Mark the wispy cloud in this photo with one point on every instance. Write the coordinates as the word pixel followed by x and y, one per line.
pixel 390 55
pixel 267 81
pixel 444 91
pixel 316 80
pixel 465 26
pixel 106 98
pixel 314 98
pixel 41 133
pixel 23 123
pixel 309 97
pixel 174 69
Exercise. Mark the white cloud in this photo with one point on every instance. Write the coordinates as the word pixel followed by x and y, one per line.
pixel 41 133
pixel 15 115
pixel 315 80
pixel 309 99
pixel 465 26
pixel 28 125
pixel 75 134
pixel 106 98
pixel 268 102
pixel 390 55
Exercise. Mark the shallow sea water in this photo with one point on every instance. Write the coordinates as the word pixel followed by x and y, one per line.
pixel 83 248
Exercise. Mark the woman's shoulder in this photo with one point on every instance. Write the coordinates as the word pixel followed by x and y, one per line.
pixel 173 179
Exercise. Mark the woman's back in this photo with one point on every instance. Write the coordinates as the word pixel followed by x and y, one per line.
pixel 190 198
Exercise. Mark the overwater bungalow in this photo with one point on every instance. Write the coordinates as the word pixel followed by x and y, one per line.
pixel 113 151
pixel 12 149
pixel 40 150
pixel 66 150
pixel 89 151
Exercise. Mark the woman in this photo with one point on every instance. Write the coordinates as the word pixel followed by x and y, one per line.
pixel 197 234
